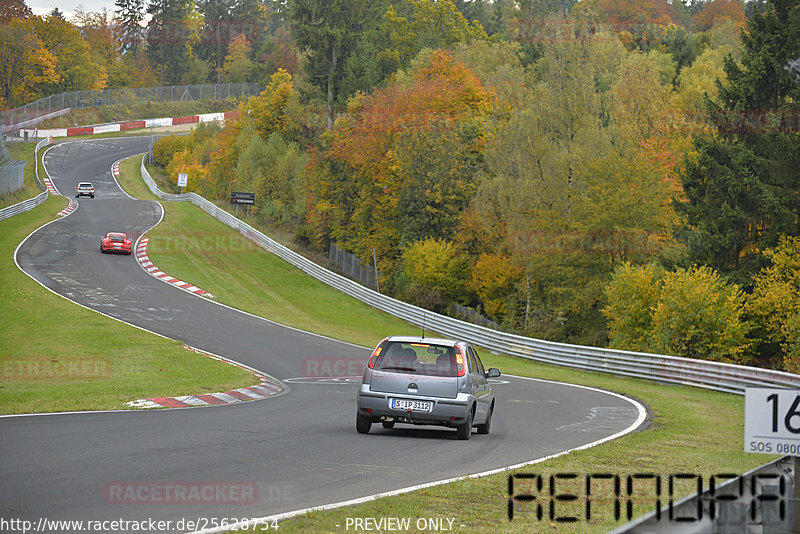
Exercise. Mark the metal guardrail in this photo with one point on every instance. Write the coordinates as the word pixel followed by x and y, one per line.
pixel 22 207
pixel 27 205
pixel 667 369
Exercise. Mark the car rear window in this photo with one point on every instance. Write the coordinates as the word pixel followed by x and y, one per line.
pixel 117 237
pixel 417 358
pixel 84 185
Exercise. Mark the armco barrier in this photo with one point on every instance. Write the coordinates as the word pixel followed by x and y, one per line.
pixel 31 203
pixel 128 125
pixel 668 369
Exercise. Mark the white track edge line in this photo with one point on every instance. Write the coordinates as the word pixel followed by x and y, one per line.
pixel 287 515
pixel 231 361
pixel 392 493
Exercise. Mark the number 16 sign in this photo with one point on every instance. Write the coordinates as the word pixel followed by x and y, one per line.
pixel 772 421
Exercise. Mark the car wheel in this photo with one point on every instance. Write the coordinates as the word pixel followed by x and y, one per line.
pixel 388 424
pixel 363 423
pixel 484 428
pixel 464 430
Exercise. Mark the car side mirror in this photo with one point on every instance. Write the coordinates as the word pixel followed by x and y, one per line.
pixel 493 373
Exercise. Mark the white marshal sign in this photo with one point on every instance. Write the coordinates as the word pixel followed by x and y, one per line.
pixel 183 179
pixel 772 421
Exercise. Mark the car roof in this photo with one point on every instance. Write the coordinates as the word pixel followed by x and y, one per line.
pixel 123 234
pixel 429 340
pixel 84 183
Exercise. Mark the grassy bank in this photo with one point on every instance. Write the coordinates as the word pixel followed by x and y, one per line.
pixel 57 356
pixel 691 430
pixel 210 255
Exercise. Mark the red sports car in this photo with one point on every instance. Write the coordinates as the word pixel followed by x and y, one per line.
pixel 116 242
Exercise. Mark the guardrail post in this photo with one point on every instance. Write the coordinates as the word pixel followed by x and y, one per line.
pixel 773 519
pixel 732 518
pixel 794 509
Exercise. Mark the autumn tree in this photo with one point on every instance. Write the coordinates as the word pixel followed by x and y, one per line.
pixel 582 176
pixel 25 64
pixel 98 29
pixel 692 313
pixel 700 81
pixel 640 93
pixel 699 315
pixel 403 163
pixel 14 9
pixel 258 151
pixel 238 67
pixel 432 24
pixel 632 296
pixel 276 108
pixel 274 169
pixel 434 274
pixel 494 279
pixel 717 11
pixel 775 302
pixel 76 68
pixel 629 14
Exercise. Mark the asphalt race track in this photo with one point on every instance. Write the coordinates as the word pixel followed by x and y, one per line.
pixel 289 452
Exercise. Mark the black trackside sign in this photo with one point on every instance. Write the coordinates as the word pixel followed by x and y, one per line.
pixel 243 198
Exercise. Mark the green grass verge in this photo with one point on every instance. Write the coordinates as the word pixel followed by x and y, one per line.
pixel 57 356
pixel 199 249
pixel 691 431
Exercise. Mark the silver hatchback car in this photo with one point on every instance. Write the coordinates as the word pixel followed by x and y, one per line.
pixel 84 189
pixel 425 381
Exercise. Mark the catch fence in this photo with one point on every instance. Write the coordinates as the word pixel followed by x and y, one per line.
pixel 49 106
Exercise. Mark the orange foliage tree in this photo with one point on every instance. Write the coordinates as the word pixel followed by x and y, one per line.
pixel 402 163
pixel 718 11
pixel 626 14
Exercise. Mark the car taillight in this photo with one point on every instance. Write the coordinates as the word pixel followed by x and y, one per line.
pixel 460 362
pixel 375 354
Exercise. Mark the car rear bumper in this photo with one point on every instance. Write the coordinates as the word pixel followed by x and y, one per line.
pixel 114 249
pixel 446 411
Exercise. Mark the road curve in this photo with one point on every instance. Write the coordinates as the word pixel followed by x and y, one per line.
pixel 296 450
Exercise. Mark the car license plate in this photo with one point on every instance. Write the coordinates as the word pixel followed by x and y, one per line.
pixel 414 406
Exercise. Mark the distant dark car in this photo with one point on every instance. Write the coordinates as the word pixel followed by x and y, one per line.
pixel 84 189
pixel 116 242
pixel 426 381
